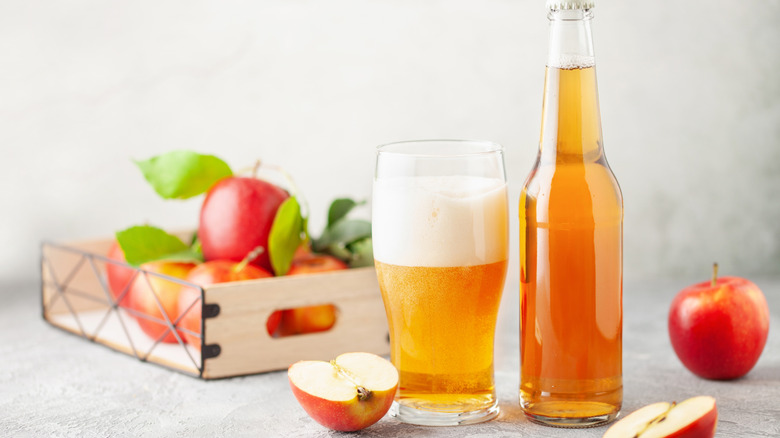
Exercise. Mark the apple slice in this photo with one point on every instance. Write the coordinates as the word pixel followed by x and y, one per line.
pixel 349 393
pixel 694 418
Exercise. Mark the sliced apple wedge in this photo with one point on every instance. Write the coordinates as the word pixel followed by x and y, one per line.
pixel 696 417
pixel 349 393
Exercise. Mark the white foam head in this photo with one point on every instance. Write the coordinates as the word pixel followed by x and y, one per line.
pixel 440 221
pixel 570 61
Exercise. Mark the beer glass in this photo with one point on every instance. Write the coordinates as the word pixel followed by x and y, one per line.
pixel 440 231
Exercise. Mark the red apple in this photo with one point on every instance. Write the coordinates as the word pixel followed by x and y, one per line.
pixel 236 218
pixel 310 319
pixel 144 299
pixel 118 275
pixel 349 393
pixel 302 253
pixel 208 273
pixel 718 328
pixel 315 263
pixel 696 417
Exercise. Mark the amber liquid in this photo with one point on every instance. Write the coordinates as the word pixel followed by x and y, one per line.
pixel 571 214
pixel 442 323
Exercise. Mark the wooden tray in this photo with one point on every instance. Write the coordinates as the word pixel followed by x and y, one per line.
pixel 75 298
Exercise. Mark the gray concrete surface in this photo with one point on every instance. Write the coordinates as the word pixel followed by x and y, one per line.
pixel 56 384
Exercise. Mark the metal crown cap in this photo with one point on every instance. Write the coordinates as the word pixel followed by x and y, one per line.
pixel 555 5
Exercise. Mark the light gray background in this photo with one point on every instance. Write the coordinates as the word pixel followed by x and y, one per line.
pixel 690 96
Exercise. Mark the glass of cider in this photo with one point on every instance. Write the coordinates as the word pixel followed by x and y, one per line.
pixel 440 235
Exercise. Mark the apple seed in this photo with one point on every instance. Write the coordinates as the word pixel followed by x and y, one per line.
pixel 659 419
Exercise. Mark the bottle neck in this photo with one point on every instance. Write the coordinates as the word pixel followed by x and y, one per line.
pixel 571 121
pixel 571 40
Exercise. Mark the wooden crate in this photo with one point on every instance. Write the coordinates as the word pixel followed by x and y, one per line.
pixel 234 339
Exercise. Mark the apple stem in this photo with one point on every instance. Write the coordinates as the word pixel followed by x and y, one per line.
pixel 363 392
pixel 255 253
pixel 255 168
pixel 714 274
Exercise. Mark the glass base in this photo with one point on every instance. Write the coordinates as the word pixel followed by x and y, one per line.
pixel 570 419
pixel 424 417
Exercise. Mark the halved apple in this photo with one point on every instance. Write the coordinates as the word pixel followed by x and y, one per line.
pixel 349 393
pixel 694 418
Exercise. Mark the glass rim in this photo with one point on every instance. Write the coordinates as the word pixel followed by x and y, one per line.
pixel 489 147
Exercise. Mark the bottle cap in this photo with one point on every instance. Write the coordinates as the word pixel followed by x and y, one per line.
pixel 555 5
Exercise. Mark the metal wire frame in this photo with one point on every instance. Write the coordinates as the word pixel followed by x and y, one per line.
pixel 61 287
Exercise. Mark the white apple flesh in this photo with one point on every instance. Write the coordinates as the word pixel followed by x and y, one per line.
pixel 696 417
pixel 349 393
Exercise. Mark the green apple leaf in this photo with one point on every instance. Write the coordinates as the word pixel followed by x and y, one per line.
pixel 339 251
pixel 285 235
pixel 362 253
pixel 145 243
pixel 339 208
pixel 183 174
pixel 345 231
pixel 195 244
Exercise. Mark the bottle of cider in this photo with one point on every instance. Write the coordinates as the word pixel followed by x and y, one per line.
pixel 571 234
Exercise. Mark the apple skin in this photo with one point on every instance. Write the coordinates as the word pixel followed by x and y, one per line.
pixel 310 319
pixel 345 416
pixel 118 276
pixel 302 253
pixel 208 273
pixel 315 263
pixel 703 428
pixel 236 217
pixel 142 299
pixel 719 331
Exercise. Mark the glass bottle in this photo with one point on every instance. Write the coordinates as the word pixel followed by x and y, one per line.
pixel 571 234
